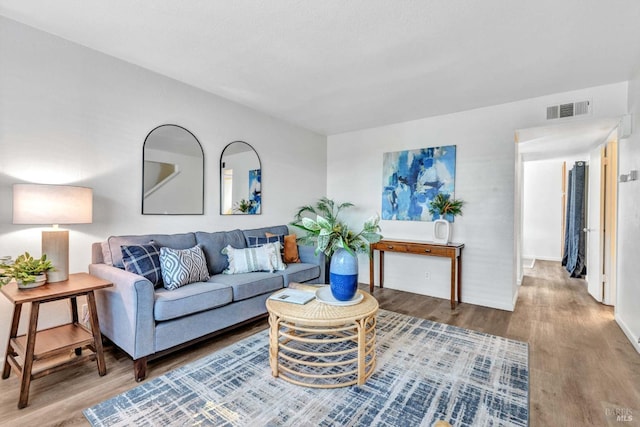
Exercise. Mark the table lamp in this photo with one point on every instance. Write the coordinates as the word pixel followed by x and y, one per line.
pixel 53 204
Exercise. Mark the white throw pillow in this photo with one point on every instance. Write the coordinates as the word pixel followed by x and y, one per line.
pixel 264 258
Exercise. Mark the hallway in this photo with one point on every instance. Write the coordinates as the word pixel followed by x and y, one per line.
pixel 583 369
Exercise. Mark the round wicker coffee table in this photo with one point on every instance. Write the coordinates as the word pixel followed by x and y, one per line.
pixel 321 345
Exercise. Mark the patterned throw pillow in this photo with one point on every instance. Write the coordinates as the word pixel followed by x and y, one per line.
pixel 143 260
pixel 183 266
pixel 262 258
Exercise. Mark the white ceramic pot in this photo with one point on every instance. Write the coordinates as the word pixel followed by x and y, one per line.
pixel 441 231
pixel 41 279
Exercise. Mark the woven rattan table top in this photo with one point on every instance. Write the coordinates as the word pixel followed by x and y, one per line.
pixel 317 313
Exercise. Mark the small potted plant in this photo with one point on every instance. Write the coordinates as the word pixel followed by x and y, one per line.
pixel 445 207
pixel 29 272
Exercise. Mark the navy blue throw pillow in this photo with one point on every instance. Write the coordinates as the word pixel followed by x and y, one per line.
pixel 143 260
pixel 255 242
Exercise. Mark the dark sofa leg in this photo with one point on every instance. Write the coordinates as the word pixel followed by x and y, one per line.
pixel 140 369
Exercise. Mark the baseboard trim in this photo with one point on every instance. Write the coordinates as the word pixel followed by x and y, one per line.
pixel 627 332
pixel 544 258
pixel 507 306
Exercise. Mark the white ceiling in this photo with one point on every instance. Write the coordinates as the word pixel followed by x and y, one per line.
pixel 339 65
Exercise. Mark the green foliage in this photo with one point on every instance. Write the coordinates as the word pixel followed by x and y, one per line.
pixel 443 205
pixel 243 206
pixel 329 233
pixel 25 269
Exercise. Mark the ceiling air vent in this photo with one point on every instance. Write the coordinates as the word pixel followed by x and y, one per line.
pixel 568 110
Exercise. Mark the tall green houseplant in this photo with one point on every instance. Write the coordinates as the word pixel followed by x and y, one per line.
pixel 329 233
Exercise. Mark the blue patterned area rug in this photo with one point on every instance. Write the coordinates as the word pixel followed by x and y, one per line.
pixel 425 372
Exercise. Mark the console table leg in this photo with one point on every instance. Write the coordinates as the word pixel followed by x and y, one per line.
pixel 453 282
pixel 25 382
pixel 371 277
pixel 12 334
pixel 459 258
pixel 381 269
pixel 97 336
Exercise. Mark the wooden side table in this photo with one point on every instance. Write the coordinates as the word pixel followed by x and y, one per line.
pixel 27 354
pixel 453 251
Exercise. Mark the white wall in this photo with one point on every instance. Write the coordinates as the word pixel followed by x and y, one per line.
pixel 72 115
pixel 542 209
pixel 485 173
pixel 628 252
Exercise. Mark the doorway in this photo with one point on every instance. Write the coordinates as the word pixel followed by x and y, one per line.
pixel 592 141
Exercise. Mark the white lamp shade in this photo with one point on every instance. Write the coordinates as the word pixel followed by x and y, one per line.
pixel 52 204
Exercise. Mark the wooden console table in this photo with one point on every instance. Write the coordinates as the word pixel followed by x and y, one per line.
pixel 30 355
pixel 452 251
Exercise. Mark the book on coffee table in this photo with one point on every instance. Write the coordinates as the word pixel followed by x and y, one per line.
pixel 295 296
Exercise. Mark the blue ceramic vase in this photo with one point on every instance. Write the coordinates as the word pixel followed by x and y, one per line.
pixel 343 275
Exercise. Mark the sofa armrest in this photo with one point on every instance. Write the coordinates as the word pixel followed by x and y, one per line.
pixel 125 310
pixel 307 255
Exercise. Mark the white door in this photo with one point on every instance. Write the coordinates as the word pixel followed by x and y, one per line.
pixel 594 231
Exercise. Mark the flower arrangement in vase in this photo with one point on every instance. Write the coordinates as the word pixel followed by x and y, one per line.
pixel 338 242
pixel 444 206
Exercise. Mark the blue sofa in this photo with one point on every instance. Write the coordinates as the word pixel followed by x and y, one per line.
pixel 147 322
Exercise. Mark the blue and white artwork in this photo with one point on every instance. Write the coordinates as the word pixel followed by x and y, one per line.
pixel 255 190
pixel 412 178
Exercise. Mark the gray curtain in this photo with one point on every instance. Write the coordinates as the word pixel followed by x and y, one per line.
pixel 574 240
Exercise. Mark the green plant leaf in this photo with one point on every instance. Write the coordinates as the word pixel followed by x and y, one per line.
pixel 310 224
pixel 323 223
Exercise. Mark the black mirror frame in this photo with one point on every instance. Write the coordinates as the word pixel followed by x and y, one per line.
pixel 221 170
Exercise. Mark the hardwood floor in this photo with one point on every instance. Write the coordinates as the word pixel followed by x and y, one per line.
pixel 582 367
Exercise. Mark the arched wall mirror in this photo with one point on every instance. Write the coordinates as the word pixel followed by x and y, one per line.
pixel 240 180
pixel 172 172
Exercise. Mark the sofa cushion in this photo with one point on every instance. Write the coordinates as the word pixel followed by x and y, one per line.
pixel 143 260
pixel 190 299
pixel 183 266
pixel 263 258
pixel 248 285
pixel 213 243
pixel 113 256
pixel 301 272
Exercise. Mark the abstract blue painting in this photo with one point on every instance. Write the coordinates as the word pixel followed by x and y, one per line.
pixel 412 178
pixel 255 191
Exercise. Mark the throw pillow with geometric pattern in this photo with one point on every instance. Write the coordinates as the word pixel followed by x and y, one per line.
pixel 183 266
pixel 143 260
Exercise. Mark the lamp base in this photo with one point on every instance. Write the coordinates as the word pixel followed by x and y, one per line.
pixel 56 245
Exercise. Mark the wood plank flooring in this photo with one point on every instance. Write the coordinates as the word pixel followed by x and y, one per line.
pixel 582 367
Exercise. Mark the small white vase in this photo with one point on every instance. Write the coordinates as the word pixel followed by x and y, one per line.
pixel 441 231
pixel 41 279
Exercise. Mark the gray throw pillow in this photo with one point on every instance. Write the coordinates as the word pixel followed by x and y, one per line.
pixel 183 266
